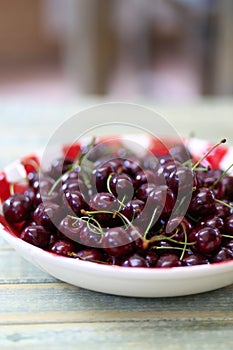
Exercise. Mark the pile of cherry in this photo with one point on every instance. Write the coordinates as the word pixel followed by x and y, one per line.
pixel 121 211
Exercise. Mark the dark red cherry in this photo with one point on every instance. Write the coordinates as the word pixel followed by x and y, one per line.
pixel 118 242
pixel 102 202
pixel 151 258
pixel 121 185
pixel 206 239
pixel 131 167
pixel 17 208
pixel 177 227
pixel 36 235
pixel 148 176
pixel 229 225
pixel 71 228
pixel 100 176
pixel 202 203
pixel 170 167
pixel 94 255
pixel 168 260
pixel 222 210
pixel 144 190
pixel 63 247
pixel 207 178
pixel 212 221
pixel 32 177
pixel 70 176
pixel 223 254
pixel 192 259
pixel 43 184
pixel 90 236
pixel 134 260
pixel 48 215
pixel 133 209
pixel 74 202
pixel 181 180
pixel 227 187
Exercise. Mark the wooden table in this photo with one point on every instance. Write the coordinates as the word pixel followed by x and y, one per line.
pixel 40 312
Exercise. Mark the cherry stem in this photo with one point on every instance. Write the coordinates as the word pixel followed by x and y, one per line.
pixel 175 248
pixel 122 205
pixel 150 223
pixel 12 188
pixel 98 227
pixel 221 177
pixel 227 236
pixel 74 165
pixel 185 241
pixel 207 153
pixel 223 203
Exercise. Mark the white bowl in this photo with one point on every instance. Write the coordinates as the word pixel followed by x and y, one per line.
pixel 134 282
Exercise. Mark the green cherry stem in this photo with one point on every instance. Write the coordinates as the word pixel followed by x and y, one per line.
pixel 12 188
pixel 221 177
pixel 185 241
pixel 150 223
pixel 196 165
pixel 223 203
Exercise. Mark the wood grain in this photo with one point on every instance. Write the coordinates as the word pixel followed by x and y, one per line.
pixel 119 335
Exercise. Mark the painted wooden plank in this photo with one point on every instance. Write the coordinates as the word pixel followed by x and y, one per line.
pixel 14 269
pixel 120 335
pixel 60 303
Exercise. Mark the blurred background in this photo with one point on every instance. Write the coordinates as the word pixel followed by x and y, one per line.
pixel 157 49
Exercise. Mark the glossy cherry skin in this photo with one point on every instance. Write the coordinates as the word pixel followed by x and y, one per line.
pixel 229 225
pixel 149 176
pixel 36 235
pixel 177 227
pixel 222 210
pixel 74 202
pixel 90 236
pixel 63 247
pixel 227 185
pixel 100 175
pixel 168 260
pixel 202 203
pixel 151 258
pixel 71 228
pixel 212 221
pixel 32 177
pixel 121 185
pixel 192 259
pixel 181 180
pixel 134 260
pixel 94 255
pixel 133 209
pixel 207 178
pixel 17 208
pixel 223 254
pixel 48 215
pixel 207 239
pixel 101 203
pixel 144 190
pixel 131 167
pixel 117 242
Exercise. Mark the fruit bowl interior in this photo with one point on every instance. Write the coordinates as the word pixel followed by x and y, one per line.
pixel 124 279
